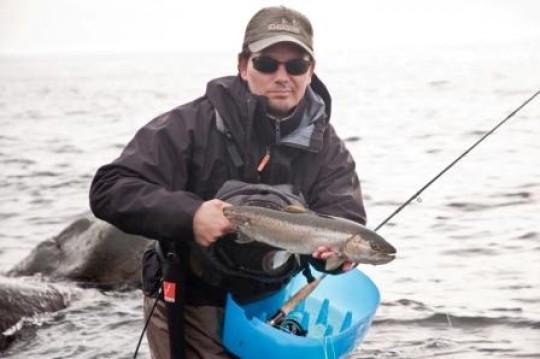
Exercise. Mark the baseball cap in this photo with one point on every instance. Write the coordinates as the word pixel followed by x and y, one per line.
pixel 275 24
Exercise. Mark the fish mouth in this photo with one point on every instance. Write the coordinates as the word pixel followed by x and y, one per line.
pixel 374 258
pixel 383 248
pixel 384 258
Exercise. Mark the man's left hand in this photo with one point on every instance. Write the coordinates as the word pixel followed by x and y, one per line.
pixel 324 253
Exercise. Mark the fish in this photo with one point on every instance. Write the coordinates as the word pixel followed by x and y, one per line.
pixel 300 231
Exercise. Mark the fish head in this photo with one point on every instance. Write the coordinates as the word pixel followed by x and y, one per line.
pixel 371 249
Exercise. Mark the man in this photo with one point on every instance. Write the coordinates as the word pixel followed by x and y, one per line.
pixel 269 124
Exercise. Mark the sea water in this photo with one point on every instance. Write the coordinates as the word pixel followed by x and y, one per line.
pixel 465 281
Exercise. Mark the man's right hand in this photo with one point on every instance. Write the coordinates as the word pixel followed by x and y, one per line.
pixel 209 223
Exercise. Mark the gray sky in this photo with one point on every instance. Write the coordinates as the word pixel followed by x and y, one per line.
pixel 74 26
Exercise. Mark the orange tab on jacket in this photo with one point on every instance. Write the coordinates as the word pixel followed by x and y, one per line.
pixel 169 292
pixel 264 161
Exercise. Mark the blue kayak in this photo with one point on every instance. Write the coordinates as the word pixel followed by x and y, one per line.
pixel 336 316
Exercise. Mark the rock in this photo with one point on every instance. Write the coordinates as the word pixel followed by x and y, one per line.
pixel 24 299
pixel 90 251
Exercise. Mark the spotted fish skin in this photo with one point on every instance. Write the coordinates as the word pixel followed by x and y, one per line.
pixel 302 232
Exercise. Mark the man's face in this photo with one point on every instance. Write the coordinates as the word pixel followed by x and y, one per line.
pixel 283 90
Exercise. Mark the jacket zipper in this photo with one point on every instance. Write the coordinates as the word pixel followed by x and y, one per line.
pixel 278 132
pixel 266 158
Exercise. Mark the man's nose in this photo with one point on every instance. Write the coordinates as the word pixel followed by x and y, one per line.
pixel 281 73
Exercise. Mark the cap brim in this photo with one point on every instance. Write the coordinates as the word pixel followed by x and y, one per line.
pixel 264 43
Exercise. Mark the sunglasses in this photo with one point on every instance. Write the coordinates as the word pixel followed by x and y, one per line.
pixel 268 65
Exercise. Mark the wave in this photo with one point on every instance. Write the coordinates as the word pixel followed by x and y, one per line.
pixel 451 320
pixel 529 235
pixel 474 206
pixel 470 251
pixel 352 139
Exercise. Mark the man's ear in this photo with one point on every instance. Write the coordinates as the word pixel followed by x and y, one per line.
pixel 242 67
pixel 311 71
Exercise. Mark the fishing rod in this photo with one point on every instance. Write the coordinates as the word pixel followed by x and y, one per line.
pixel 310 287
pixel 487 134
pixel 148 319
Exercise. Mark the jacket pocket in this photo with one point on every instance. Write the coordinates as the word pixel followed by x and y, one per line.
pixel 151 272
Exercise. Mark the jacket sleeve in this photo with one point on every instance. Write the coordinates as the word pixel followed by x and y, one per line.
pixel 144 191
pixel 336 191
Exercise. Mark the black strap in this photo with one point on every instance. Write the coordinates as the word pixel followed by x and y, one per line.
pixel 304 262
pixel 173 294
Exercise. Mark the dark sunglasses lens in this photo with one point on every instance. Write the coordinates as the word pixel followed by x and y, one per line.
pixel 266 65
pixel 297 66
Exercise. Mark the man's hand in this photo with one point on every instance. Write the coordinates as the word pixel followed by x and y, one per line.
pixel 209 223
pixel 326 252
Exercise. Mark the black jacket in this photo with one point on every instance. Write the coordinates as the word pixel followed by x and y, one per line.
pixel 180 159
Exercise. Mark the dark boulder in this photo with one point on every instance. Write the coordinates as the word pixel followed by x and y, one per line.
pixel 90 251
pixel 21 299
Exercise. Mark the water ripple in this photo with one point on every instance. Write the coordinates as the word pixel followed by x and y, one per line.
pixel 445 319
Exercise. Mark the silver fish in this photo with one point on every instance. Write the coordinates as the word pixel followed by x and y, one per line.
pixel 302 232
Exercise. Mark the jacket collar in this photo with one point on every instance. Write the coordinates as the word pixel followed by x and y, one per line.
pixel 243 113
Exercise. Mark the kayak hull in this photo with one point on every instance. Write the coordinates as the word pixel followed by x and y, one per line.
pixel 337 316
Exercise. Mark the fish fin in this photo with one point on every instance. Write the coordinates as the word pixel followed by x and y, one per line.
pixel 274 261
pixel 334 262
pixel 295 208
pixel 241 238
